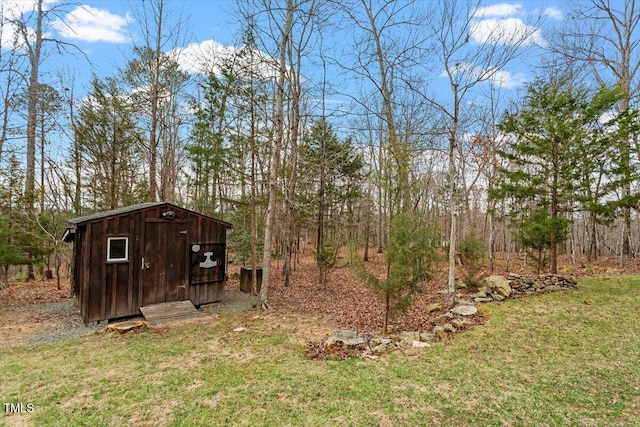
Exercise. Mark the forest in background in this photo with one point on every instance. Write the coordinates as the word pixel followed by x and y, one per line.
pixel 402 166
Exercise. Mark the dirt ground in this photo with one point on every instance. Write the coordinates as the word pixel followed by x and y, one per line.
pixel 37 312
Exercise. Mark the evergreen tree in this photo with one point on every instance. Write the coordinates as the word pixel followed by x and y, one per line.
pixel 11 203
pixel 331 172
pixel 106 134
pixel 411 252
pixel 547 140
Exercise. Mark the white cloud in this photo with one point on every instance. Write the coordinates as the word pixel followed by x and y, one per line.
pixel 553 12
pixel 501 10
pixel 501 78
pixel 507 80
pixel 13 10
pixel 203 57
pixel 209 55
pixel 505 31
pixel 92 25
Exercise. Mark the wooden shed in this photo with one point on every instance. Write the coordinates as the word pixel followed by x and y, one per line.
pixel 145 254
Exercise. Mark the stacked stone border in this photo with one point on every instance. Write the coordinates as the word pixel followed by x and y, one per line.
pixel 348 343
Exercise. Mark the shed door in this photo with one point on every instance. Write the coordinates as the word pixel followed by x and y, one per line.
pixel 164 263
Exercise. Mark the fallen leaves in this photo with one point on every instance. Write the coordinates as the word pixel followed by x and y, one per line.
pixel 33 292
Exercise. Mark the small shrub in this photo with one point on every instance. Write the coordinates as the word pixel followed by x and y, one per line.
pixel 472 256
pixel 410 256
pixel 326 258
pixel 20 277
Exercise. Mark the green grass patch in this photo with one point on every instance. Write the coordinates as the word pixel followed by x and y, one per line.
pixel 567 358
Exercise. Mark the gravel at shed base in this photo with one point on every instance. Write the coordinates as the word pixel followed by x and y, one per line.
pixel 61 321
pixel 53 322
pixel 233 301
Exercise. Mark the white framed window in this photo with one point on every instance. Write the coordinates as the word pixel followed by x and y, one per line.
pixel 117 249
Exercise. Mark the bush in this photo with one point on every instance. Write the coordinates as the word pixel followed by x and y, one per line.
pixel 472 256
pixel 410 256
pixel 326 258
pixel 20 277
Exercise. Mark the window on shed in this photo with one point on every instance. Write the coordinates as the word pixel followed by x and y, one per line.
pixel 117 249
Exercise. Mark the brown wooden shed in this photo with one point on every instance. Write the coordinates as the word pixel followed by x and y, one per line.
pixel 145 254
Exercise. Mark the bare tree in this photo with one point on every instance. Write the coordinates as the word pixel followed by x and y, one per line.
pixel 303 30
pixel 31 28
pixel 10 71
pixel 389 44
pixel 466 65
pixel 284 35
pixel 157 80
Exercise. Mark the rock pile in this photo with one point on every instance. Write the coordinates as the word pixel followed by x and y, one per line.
pixel 348 343
pixel 543 283
pixel 497 288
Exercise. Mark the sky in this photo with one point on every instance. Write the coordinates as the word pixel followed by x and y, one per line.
pixel 105 31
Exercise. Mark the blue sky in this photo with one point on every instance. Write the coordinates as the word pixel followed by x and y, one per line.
pixel 106 30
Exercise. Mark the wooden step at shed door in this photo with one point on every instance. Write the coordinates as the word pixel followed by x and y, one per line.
pixel 170 311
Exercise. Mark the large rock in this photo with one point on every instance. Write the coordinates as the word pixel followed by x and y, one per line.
pixel 348 339
pixel 408 337
pixel 499 285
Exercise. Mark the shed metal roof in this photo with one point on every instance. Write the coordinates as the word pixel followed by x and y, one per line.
pixel 70 231
pixel 104 214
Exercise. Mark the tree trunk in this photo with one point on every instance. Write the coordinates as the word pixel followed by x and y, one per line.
pixel 451 277
pixel 593 243
pixel 367 223
pixel 275 161
pixel 290 226
pixel 34 51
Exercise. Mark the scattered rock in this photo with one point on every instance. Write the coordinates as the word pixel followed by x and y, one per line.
pixel 442 318
pixel 346 338
pixel 409 337
pixel 448 327
pixel 379 349
pixel 433 307
pixel 427 336
pixel 480 294
pixel 440 332
pixel 347 343
pixel 465 310
pixel 487 299
pixel 459 323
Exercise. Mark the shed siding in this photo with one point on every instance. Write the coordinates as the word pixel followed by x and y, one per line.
pixel 107 290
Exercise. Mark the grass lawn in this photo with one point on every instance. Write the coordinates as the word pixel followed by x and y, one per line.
pixel 567 358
